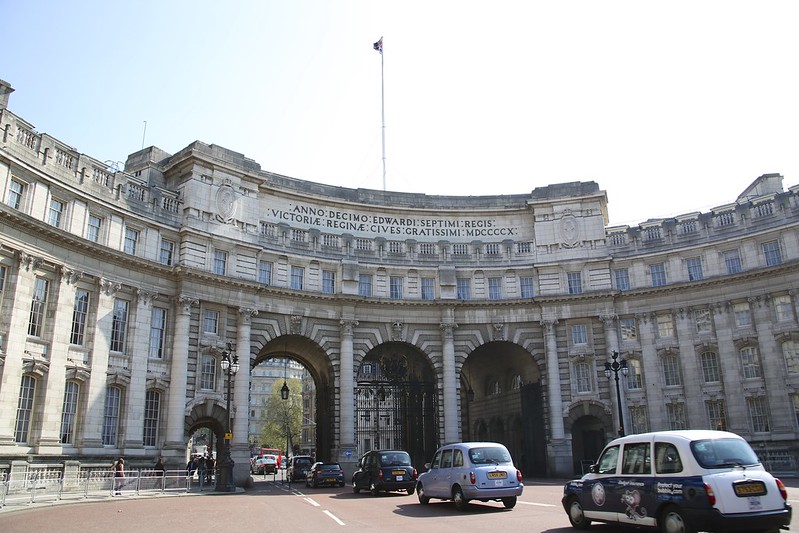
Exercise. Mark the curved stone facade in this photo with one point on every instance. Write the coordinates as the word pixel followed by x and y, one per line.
pixel 421 319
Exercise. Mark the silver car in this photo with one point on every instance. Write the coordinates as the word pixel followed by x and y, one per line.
pixel 466 471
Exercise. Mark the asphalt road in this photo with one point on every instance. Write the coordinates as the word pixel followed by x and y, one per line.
pixel 273 506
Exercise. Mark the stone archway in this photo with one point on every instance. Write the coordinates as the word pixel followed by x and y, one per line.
pixel 589 423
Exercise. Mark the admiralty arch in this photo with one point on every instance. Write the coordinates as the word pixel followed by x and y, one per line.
pixel 420 319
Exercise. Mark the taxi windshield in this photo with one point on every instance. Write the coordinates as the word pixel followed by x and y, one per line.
pixel 723 453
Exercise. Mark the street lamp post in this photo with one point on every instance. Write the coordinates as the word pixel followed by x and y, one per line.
pixel 284 395
pixel 612 369
pixel 224 481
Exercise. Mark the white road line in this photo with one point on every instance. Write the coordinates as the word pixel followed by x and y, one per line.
pixel 312 502
pixel 334 517
pixel 538 504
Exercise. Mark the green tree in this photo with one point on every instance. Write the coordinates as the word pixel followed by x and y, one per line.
pixel 280 414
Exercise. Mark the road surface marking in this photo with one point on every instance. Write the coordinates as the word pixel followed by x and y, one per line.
pixel 539 504
pixel 312 502
pixel 334 517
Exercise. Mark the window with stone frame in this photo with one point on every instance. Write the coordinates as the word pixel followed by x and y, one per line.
pixel 39 300
pixel 710 367
pixel 658 274
pixel 220 262
pixel 131 241
pixel 750 362
pixel 328 282
pixel 742 314
pixel 25 406
pixel 579 334
pixel 119 326
pixel 208 373
pixel 93 227
pixel 758 413
pixel 790 352
pixel 158 333
pixel 675 411
pixel 628 329
pixel 622 277
pixel 111 411
pixel 395 287
pixel 69 412
pixel 694 265
pixel 56 212
pixel 703 319
pixel 494 288
pixel 582 377
pixel 464 287
pixel 665 325
pixel 639 419
pixel 772 253
pixel 80 314
pixel 732 261
pixel 783 307
pixel 716 414
pixel 16 193
pixel 265 272
pixel 526 286
pixel 575 281
pixel 635 376
pixel 211 322
pixel 152 409
pixel 428 288
pixel 364 284
pixel 671 370
pixel 166 254
pixel 297 281
pixel 795 403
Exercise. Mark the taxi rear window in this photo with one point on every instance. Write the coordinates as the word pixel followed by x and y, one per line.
pixel 723 453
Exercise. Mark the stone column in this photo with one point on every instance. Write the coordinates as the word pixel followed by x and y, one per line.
pixel 239 446
pixel 346 407
pixel 731 378
pixel 91 440
pixel 612 340
pixel 653 372
pixel 176 397
pixel 450 385
pixel 690 371
pixel 553 380
pixel 15 346
pixel 50 440
pixel 137 390
pixel 772 367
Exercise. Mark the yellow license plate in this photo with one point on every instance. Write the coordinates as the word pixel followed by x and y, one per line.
pixel 330 480
pixel 497 475
pixel 398 472
pixel 753 488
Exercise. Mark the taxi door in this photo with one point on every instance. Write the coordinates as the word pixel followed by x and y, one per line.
pixel 598 486
pixel 634 494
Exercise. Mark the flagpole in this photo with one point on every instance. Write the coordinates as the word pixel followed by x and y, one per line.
pixel 383 111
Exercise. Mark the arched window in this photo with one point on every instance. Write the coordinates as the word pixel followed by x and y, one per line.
pixel 69 412
pixel 494 388
pixel 516 382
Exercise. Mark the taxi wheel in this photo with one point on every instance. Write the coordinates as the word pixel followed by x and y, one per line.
pixel 424 500
pixel 576 514
pixel 674 521
pixel 461 503
pixel 410 491
pixel 509 503
pixel 355 488
pixel 373 489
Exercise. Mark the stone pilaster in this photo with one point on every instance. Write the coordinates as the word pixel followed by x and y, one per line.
pixel 346 436
pixel 176 397
pixel 450 385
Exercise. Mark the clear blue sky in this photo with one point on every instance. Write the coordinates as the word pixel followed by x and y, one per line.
pixel 670 107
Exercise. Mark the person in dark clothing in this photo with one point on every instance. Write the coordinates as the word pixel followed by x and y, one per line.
pixel 119 474
pixel 159 467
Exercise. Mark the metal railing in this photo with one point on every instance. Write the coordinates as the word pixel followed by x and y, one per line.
pixel 50 484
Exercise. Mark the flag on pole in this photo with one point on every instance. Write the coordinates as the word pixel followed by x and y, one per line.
pixel 379 46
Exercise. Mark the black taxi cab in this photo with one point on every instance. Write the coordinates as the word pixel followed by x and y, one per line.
pixel 679 481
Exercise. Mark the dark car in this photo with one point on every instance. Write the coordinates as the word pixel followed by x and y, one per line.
pixel 384 470
pixel 324 474
pixel 298 466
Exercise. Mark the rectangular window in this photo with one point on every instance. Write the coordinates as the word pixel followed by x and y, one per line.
pixel 119 326
pixel 494 288
pixel 622 277
pixel 575 282
pixel 297 278
pixel 579 334
pixel 80 313
pixel 16 191
pixel 152 407
pixel 750 362
pixel 676 414
pixel 38 307
pixel 743 316
pixel 526 285
pixel 69 412
pixel 628 329
pixel 582 377
pixel 93 227
pixel 157 333
pixel 265 272
pixel 635 378
pixel 772 254
pixel 328 282
pixel 710 367
pixel 758 414
pixel 428 288
pixel 365 284
pixel 22 426
pixel 671 371
pixel 640 422
pixel 703 320
pixel 55 213
pixel 395 287
pixel 208 373
pixel 694 268
pixel 113 398
pixel 658 273
pixel 716 414
pixel 665 326
pixel 131 240
pixel 732 260
pixel 220 262
pixel 464 286
pixel 211 322
pixel 790 351
pixel 783 307
pixel 167 252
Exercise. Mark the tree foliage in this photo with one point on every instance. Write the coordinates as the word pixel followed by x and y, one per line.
pixel 280 413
